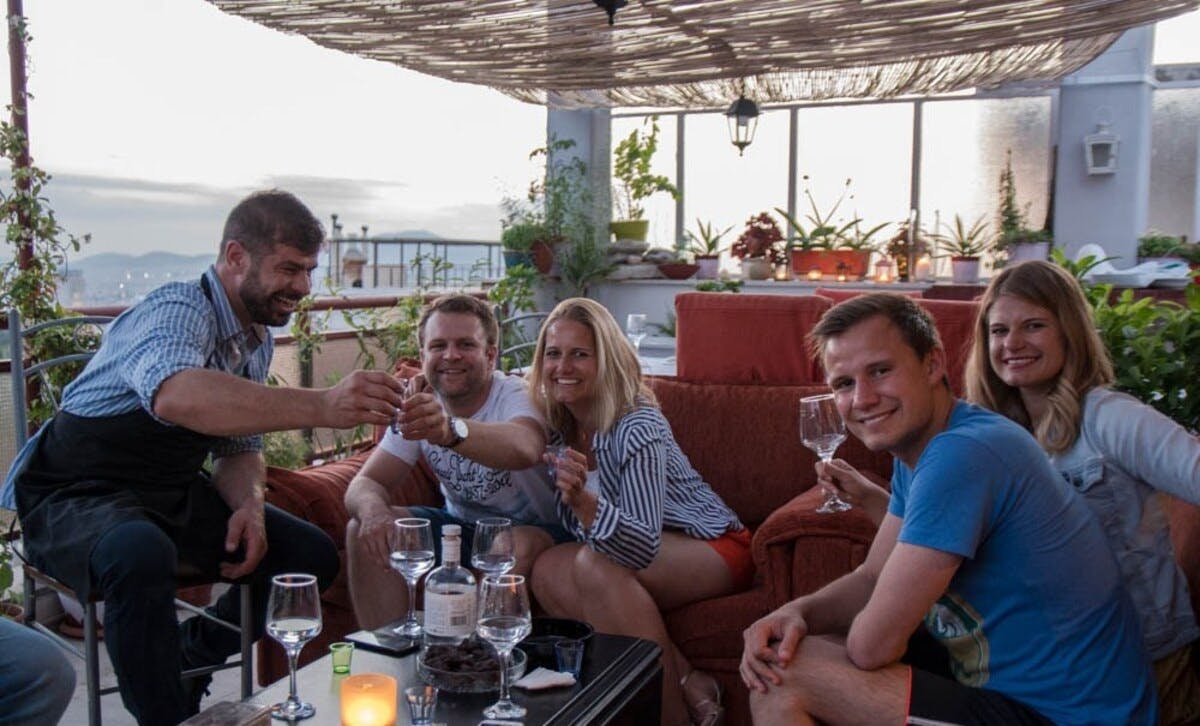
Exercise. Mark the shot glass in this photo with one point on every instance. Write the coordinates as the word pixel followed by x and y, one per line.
pixel 557 451
pixel 569 655
pixel 340 654
pixel 421 700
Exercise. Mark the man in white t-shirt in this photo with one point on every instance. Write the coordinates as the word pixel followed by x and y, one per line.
pixel 481 436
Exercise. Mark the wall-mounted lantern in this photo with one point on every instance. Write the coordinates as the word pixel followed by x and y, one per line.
pixel 1100 150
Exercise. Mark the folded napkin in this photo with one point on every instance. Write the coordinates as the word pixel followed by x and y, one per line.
pixel 540 678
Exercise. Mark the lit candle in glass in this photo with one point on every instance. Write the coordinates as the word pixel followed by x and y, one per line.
pixel 814 273
pixel 782 272
pixel 923 269
pixel 369 699
pixel 883 270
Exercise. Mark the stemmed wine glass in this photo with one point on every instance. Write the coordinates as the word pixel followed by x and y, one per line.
pixel 504 621
pixel 635 328
pixel 822 430
pixel 293 619
pixel 492 551
pixel 412 556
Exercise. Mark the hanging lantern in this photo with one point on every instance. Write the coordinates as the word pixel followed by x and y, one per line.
pixel 611 7
pixel 743 118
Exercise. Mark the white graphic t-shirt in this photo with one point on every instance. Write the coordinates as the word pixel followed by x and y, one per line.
pixel 473 490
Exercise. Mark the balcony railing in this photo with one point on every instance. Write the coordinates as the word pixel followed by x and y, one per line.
pixel 402 262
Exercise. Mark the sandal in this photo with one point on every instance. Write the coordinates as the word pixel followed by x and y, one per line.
pixel 705 708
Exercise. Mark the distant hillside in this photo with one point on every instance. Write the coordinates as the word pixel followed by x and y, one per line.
pixel 114 277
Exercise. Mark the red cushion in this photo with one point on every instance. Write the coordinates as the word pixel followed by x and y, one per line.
pixel 735 338
pixel 744 440
pixel 955 321
pixel 841 294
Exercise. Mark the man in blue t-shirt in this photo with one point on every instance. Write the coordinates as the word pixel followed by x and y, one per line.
pixel 983 542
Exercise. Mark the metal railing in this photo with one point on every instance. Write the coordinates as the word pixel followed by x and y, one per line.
pixel 408 261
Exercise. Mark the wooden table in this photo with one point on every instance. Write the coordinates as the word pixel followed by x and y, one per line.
pixel 621 683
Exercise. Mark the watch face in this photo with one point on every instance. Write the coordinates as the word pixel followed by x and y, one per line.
pixel 460 427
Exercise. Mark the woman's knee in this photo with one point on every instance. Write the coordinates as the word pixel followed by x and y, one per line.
pixel 595 574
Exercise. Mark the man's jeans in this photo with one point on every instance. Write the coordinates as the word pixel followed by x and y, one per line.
pixel 134 566
pixel 36 681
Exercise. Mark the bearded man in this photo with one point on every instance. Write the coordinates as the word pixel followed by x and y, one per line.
pixel 113 495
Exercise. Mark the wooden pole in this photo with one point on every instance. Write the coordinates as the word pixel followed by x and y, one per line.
pixel 20 121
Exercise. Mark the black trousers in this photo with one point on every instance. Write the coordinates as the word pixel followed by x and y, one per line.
pixel 134 565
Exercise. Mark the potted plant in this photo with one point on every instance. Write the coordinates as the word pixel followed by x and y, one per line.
pixel 813 248
pixel 965 245
pixel 898 248
pixel 10 599
pixel 517 240
pixel 760 247
pixel 635 183
pixel 854 251
pixel 1155 244
pixel 706 248
pixel 1016 242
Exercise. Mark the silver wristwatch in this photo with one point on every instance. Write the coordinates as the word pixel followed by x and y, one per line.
pixel 458 427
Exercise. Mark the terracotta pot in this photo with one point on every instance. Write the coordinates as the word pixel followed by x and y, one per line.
pixel 964 270
pixel 710 267
pixel 757 268
pixel 854 264
pixel 12 611
pixel 543 256
pixel 677 270
pixel 630 229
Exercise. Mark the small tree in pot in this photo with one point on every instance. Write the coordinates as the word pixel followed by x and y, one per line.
pixel 635 183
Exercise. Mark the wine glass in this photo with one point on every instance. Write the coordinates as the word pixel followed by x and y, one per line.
pixel 293 619
pixel 822 430
pixel 412 556
pixel 504 621
pixel 492 551
pixel 635 328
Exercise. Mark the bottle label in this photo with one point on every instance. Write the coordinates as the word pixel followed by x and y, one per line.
pixel 450 614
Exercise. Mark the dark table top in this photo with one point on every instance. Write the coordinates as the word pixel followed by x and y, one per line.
pixel 612 666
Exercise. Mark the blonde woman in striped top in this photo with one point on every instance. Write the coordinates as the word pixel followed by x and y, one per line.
pixel 652 535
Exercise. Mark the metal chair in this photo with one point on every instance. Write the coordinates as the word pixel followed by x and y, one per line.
pixel 85 332
pixel 518 338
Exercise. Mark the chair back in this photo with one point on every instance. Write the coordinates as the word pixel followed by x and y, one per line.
pixel 518 338
pixel 83 332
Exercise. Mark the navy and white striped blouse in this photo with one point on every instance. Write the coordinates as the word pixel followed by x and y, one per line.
pixel 646 485
pixel 176 327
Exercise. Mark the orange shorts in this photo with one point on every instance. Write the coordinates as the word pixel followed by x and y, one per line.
pixel 734 548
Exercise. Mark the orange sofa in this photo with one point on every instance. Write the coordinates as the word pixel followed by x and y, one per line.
pixel 742 365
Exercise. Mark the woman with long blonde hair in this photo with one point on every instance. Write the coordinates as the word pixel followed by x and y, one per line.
pixel 652 535
pixel 1038 359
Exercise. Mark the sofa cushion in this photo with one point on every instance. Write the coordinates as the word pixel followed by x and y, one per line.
pixel 955 321
pixel 837 294
pixel 725 338
pixel 716 425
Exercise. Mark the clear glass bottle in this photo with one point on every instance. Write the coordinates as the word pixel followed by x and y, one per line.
pixel 449 594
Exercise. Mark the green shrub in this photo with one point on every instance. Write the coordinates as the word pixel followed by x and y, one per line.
pixel 1155 347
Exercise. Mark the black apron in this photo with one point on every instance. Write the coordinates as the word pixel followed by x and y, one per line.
pixel 90 474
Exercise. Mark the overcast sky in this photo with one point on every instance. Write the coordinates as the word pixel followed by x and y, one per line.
pixel 155 116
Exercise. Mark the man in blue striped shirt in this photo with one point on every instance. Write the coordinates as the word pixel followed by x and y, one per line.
pixel 114 496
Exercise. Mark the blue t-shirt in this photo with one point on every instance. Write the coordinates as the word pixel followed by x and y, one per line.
pixel 1036 611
